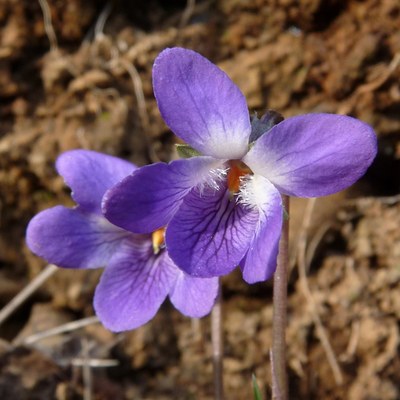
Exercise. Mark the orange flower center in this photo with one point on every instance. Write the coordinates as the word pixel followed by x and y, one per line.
pixel 158 239
pixel 237 169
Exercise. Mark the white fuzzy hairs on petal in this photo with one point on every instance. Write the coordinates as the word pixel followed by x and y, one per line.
pixel 214 179
pixel 254 194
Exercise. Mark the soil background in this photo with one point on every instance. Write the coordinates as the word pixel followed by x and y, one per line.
pixel 77 74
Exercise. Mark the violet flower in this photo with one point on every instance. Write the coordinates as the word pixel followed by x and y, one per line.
pixel 139 274
pixel 223 206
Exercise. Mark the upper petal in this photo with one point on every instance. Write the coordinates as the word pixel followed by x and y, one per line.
pixel 133 286
pixel 314 155
pixel 260 261
pixel 194 297
pixel 89 174
pixel 200 104
pixel 147 199
pixel 73 239
pixel 210 233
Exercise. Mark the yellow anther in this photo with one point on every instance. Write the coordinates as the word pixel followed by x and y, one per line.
pixel 158 240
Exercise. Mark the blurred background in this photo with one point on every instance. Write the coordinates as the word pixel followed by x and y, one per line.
pixel 77 74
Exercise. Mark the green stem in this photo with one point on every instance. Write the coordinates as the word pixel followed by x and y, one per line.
pixel 278 353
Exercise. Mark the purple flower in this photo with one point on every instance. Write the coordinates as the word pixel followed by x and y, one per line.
pixel 139 274
pixel 223 207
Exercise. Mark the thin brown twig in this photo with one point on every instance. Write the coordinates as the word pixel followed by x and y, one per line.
pixel 119 60
pixel 95 362
pixel 27 291
pixel 141 102
pixel 138 89
pixel 315 241
pixel 48 26
pixel 58 330
pixel 389 200
pixel 321 333
pixel 371 86
pixel 101 20
pixel 353 341
pixel 312 245
pixel 187 13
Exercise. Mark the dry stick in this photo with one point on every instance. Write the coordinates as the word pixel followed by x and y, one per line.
pixel 371 86
pixel 314 242
pixel 27 291
pixel 101 21
pixel 58 330
pixel 279 322
pixel 95 362
pixel 48 26
pixel 187 13
pixel 323 337
pixel 141 103
pixel 217 345
pixel 138 88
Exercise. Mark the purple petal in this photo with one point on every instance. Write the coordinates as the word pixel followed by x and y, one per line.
pixel 210 233
pixel 314 155
pixel 89 174
pixel 73 239
pixel 194 297
pixel 260 261
pixel 133 286
pixel 201 104
pixel 147 199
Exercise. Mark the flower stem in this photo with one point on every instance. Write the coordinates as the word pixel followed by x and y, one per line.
pixel 217 346
pixel 278 353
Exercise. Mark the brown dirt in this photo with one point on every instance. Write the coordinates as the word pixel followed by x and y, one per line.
pixel 293 56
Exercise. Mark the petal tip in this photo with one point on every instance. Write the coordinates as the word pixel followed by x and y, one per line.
pixel 201 104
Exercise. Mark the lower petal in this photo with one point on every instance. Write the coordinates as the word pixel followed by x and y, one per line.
pixel 72 239
pixel 146 200
pixel 194 297
pixel 133 287
pixel 260 261
pixel 210 233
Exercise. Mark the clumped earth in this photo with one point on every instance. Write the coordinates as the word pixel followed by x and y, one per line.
pixel 83 80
